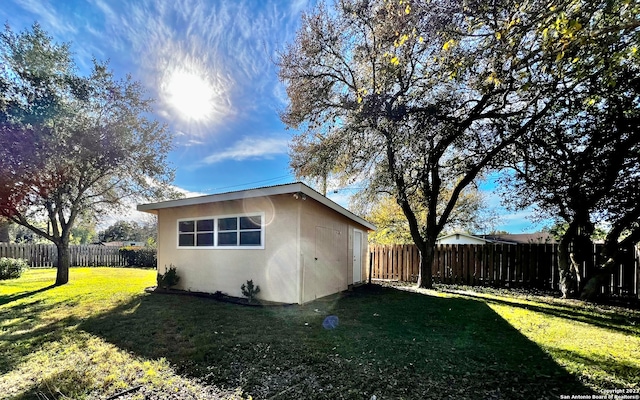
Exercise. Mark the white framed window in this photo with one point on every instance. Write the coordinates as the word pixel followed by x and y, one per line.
pixel 225 232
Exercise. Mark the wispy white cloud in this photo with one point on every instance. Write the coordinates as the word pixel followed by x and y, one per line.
pixel 192 142
pixel 297 6
pixel 515 221
pixel 48 16
pixel 251 148
pixel 128 210
pixel 187 193
pixel 231 44
pixel 105 8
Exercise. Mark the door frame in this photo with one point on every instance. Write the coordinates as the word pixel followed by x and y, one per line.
pixel 353 242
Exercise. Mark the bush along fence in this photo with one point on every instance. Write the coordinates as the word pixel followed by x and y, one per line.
pixel 499 265
pixel 46 255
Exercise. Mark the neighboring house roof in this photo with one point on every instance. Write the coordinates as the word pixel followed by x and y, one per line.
pixel 122 243
pixel 469 238
pixel 111 244
pixel 298 188
pixel 537 237
pixel 507 238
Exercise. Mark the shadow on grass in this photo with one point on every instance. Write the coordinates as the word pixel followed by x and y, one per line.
pixel 23 331
pixel 390 343
pixel 618 324
pixel 611 368
pixel 24 327
pixel 6 299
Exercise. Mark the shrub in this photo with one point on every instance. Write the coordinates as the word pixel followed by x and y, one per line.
pixel 11 268
pixel 169 278
pixel 144 257
pixel 249 291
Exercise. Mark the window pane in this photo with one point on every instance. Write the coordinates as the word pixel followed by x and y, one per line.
pixel 205 225
pixel 250 222
pixel 227 239
pixel 185 239
pixel 185 226
pixel 250 238
pixel 228 224
pixel 205 239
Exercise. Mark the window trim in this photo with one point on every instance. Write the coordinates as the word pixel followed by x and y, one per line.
pixel 215 219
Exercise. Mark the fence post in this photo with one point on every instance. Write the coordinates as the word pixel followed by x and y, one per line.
pixel 370 265
pixel 637 269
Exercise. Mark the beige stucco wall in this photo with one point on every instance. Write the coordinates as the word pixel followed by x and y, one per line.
pixel 274 268
pixel 326 251
pixel 308 251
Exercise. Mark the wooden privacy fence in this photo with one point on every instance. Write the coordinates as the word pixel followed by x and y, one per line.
pixel 46 255
pixel 499 265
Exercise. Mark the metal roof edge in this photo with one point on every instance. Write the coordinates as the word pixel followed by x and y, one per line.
pixel 461 234
pixel 257 192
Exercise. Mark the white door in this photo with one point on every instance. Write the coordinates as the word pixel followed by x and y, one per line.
pixel 357 256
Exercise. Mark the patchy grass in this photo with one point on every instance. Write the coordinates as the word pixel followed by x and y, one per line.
pixel 45 354
pixel 600 344
pixel 101 334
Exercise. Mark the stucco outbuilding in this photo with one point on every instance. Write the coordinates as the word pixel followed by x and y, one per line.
pixel 294 242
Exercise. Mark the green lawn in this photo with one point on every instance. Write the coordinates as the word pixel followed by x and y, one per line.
pixel 101 334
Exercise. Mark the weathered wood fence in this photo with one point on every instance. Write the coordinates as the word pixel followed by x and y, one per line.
pixel 499 265
pixel 46 255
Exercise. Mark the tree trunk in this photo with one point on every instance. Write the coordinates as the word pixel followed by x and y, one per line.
pixel 592 288
pixel 567 283
pixel 4 231
pixel 425 279
pixel 64 262
pixel 606 264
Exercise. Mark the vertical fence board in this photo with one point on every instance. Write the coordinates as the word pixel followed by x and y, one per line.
pixel 501 265
pixel 45 255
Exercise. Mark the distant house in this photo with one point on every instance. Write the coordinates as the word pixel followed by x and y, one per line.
pixel 463 238
pixel 522 238
pixel 292 241
pixel 123 243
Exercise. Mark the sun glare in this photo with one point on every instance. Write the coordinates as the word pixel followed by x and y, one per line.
pixel 190 94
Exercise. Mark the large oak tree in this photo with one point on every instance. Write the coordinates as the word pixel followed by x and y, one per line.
pixel 581 162
pixel 415 98
pixel 71 145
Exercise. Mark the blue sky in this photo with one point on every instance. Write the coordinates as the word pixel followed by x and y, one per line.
pixel 210 66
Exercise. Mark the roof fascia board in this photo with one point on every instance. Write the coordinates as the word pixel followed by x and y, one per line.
pixel 258 192
pixel 463 234
pixel 215 198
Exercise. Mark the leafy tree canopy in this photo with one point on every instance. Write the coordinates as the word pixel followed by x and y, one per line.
pixel 72 145
pixel 124 230
pixel 471 214
pixel 581 162
pixel 415 99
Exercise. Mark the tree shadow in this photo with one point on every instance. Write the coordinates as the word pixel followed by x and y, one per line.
pixel 25 328
pixel 6 299
pixel 610 367
pixel 391 343
pixel 611 322
pixel 24 331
